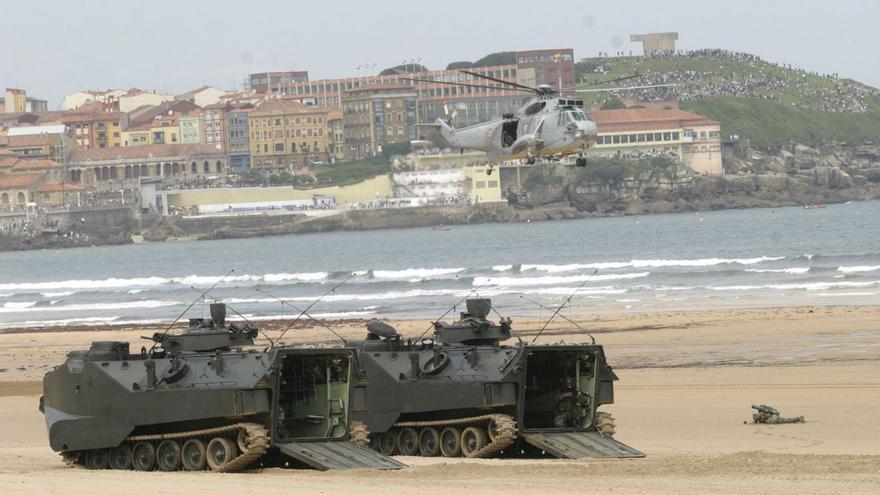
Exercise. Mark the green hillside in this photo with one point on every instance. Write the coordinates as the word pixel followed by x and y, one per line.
pixel 752 98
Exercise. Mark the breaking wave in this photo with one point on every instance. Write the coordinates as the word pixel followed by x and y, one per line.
pixel 415 273
pixel 553 280
pixel 793 271
pixel 857 269
pixel 804 286
pixel 33 307
pixel 645 263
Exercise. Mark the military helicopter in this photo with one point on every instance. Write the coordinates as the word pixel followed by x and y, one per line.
pixel 546 126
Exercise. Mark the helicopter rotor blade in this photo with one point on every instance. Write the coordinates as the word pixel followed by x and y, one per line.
pixel 502 81
pixel 609 81
pixel 451 83
pixel 624 88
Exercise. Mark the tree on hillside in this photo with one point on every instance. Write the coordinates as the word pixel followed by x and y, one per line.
pixel 464 64
pixel 403 68
pixel 497 58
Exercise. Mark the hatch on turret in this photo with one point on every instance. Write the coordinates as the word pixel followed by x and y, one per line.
pixel 208 334
pixel 473 328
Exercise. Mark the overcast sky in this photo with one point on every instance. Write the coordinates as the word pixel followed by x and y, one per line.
pixel 55 47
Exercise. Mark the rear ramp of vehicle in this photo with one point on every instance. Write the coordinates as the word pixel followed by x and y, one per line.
pixel 340 454
pixel 580 444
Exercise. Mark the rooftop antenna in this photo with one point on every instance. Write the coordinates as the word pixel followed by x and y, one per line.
pixel 567 299
pixel 451 308
pixel 561 315
pixel 303 313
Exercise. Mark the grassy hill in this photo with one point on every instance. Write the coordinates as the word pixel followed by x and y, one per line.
pixel 767 123
pixel 752 98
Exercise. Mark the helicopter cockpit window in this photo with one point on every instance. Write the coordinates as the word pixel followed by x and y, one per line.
pixel 535 108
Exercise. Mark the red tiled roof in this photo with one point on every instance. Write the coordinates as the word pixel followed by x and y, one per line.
pixel 33 140
pixel 144 151
pixel 9 181
pixel 8 161
pixel 58 187
pixel 80 116
pixel 642 117
pixel 36 165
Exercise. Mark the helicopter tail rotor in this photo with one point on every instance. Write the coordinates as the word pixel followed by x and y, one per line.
pixel 450 118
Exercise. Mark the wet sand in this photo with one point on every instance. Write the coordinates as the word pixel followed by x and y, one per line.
pixel 686 383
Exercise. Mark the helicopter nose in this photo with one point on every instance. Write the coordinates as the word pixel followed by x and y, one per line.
pixel 589 128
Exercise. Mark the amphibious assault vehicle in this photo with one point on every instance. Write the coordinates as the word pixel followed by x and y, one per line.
pixel 206 399
pixel 464 393
pixel 199 401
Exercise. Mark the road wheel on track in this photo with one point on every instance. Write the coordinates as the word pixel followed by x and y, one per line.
pixel 408 441
pixel 168 455
pixel 220 452
pixel 604 424
pixel 388 442
pixel 359 434
pixel 120 457
pixel 450 442
pixel 429 442
pixel 473 438
pixel 193 455
pixel 143 456
pixel 97 458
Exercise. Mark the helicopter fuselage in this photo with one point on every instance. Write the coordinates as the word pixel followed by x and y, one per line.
pixel 542 128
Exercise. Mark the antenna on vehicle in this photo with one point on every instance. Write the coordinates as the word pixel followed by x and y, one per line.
pixel 451 308
pixel 303 313
pixel 562 315
pixel 567 299
pixel 200 298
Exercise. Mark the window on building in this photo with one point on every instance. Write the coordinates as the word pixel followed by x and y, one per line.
pixel 265 147
pixel 279 147
pixel 624 139
pixel 675 136
pixel 206 167
pixel 480 184
pixel 616 139
pixel 667 136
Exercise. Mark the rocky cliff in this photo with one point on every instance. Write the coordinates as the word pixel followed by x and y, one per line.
pixel 792 175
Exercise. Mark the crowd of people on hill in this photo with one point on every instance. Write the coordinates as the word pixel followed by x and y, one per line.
pixel 763 80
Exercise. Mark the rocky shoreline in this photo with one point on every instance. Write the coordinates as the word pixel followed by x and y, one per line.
pixel 791 175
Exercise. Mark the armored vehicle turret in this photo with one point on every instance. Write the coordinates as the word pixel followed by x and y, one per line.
pixel 466 392
pixel 204 399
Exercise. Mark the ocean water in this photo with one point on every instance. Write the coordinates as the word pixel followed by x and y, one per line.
pixel 687 261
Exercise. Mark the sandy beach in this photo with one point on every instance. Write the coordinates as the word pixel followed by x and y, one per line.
pixel 686 383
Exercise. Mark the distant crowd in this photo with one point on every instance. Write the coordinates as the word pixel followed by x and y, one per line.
pixel 761 82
